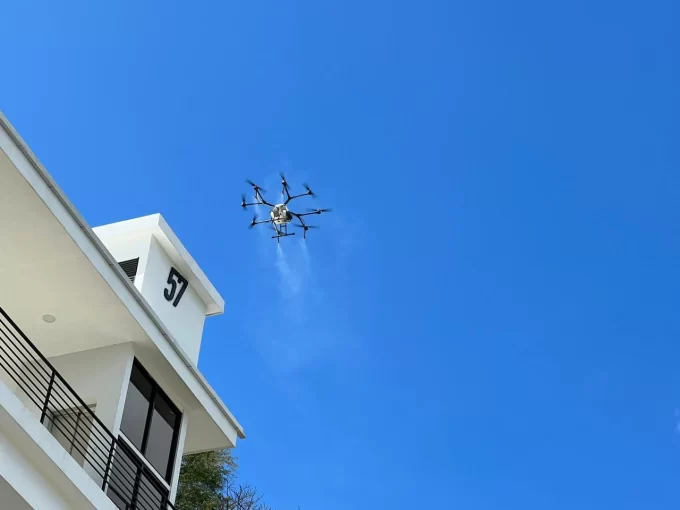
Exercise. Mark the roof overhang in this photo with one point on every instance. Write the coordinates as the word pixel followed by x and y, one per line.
pixel 52 262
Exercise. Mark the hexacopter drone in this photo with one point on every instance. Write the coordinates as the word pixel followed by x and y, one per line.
pixel 280 215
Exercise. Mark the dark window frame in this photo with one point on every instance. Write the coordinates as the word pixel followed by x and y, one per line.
pixel 156 390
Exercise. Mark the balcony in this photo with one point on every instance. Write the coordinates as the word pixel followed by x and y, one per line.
pixel 110 461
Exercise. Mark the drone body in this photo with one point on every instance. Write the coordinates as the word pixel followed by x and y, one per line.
pixel 280 215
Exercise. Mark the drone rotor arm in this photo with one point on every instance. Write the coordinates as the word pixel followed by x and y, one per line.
pixel 255 223
pixel 284 187
pixel 316 211
pixel 299 217
pixel 262 201
pixel 293 197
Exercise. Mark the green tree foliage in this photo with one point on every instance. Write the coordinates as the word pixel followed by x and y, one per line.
pixel 207 481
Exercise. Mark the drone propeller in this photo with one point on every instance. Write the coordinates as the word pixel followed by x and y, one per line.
pixel 255 185
pixel 283 179
pixel 253 223
pixel 243 201
pixel 319 211
pixel 306 227
pixel 309 191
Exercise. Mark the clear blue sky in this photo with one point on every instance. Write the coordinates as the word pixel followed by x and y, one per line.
pixel 489 319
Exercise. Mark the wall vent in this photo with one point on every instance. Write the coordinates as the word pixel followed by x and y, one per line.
pixel 130 268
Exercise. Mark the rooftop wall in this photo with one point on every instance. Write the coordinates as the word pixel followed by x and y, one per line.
pixel 168 278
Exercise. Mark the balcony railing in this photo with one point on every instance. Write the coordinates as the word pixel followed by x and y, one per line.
pixel 121 473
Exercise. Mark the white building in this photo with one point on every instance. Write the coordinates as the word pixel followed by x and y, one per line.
pixel 100 333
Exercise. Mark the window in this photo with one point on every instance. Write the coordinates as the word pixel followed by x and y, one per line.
pixel 136 408
pixel 72 428
pixel 151 421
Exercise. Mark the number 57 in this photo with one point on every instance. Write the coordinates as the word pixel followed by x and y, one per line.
pixel 175 279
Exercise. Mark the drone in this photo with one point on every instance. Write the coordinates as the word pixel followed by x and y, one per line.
pixel 280 215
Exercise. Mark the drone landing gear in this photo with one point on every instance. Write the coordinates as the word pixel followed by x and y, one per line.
pixel 279 236
pixel 281 231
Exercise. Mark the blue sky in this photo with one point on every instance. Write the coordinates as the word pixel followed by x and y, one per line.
pixel 490 316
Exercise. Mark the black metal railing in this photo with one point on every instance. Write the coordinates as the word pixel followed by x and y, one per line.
pixel 109 461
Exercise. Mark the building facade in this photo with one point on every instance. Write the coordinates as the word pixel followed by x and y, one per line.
pixel 100 335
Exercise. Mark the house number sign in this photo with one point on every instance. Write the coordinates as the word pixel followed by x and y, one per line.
pixel 175 280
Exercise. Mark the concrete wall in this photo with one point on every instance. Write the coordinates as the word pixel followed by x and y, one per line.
pixel 7 380
pixel 100 377
pixel 185 321
pixel 178 458
pixel 11 498
pixel 23 485
pixel 127 248
pixel 37 467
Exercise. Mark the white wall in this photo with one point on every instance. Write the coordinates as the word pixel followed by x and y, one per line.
pixel 38 467
pixel 25 482
pixel 100 377
pixel 131 247
pixel 11 498
pixel 178 457
pixel 7 380
pixel 185 321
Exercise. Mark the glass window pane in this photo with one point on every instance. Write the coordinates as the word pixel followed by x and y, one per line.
pixel 136 408
pixel 159 444
pixel 141 381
